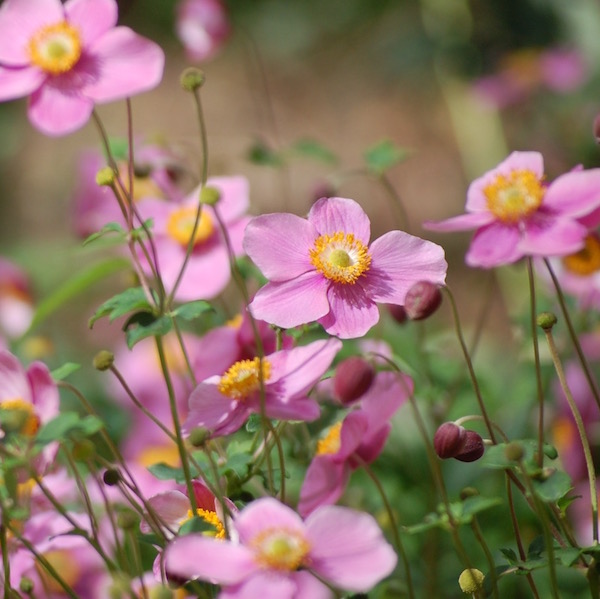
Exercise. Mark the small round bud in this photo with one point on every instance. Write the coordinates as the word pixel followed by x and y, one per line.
pixel 120 587
pixel 468 492
pixel 422 300
pixel 83 450
pixel 14 420
pixel 160 592
pixel 449 440
pixel 353 378
pixel 210 195
pixel 198 436
pixel 550 451
pixel 26 585
pixel 514 451
pixel 192 79
pixel 105 177
pixel 471 580
pixel 546 320
pixel 127 519
pixel 398 313
pixel 473 447
pixel 596 128
pixel 111 477
pixel 103 360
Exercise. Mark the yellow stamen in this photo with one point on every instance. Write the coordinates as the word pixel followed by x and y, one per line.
pixel 280 549
pixel 29 421
pixel 55 48
pixel 211 518
pixel 243 378
pixel 180 225
pixel 330 444
pixel 586 261
pixel 155 454
pixel 65 563
pixel 235 322
pixel 340 257
pixel 514 197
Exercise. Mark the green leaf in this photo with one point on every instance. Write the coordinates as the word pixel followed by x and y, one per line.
pixel 89 425
pixel 254 423
pixel 261 154
pixel 76 285
pixel 62 372
pixel 119 148
pixel 238 464
pixel 196 524
pixel 314 149
pixel 553 487
pixel 567 555
pixel 163 471
pixel 192 310
pixel 536 547
pixel 108 228
pixel 384 155
pixel 510 555
pixel 57 428
pixel 144 324
pixel 121 304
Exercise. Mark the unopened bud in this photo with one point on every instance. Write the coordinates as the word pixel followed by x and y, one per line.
pixel 160 592
pixel 210 195
pixel 398 313
pixel 198 436
pixel 26 585
pixel 353 378
pixel 111 477
pixel 546 320
pixel 422 300
pixel 192 79
pixel 514 451
pixel 449 440
pixel 472 449
pixel 127 520
pixel 468 492
pixel 14 420
pixel 105 177
pixel 103 360
pixel 471 580
pixel 596 128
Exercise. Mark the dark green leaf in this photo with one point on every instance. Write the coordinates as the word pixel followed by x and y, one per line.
pixel 121 304
pixel 143 324
pixel 163 471
pixel 57 428
pixel 510 555
pixel 554 487
pixel 238 463
pixel 192 310
pixel 261 154
pixel 89 425
pixel 64 371
pixel 384 155
pixel 536 547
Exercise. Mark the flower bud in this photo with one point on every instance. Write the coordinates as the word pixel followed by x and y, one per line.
pixel 422 300
pixel 127 520
pixel 192 79
pixel 472 449
pixel 160 592
pixel 26 585
pixel 105 177
pixel 546 320
pixel 514 451
pixel 198 436
pixel 103 360
pixel 469 492
pixel 398 313
pixel 210 195
pixel 448 440
pixel 353 378
pixel 111 477
pixel 83 450
pixel 471 580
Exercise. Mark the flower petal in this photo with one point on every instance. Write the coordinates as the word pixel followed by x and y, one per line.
pixel 557 237
pixel 13 380
pixel 92 17
pixel 279 245
pixel 291 303
pixel 332 215
pixel 214 411
pixel 170 506
pixel 494 245
pixel 44 391
pixel 235 196
pixel 323 484
pixel 17 83
pixel 309 587
pixel 129 64
pixel 463 222
pixel 574 194
pixel 266 585
pixel 304 409
pixel 352 313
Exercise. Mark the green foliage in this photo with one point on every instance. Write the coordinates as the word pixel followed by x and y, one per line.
pixel 383 156
pixel 68 425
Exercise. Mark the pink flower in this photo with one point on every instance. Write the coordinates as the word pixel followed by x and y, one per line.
pixel 279 555
pixel 517 215
pixel 358 439
pixel 208 270
pixel 16 304
pixel 202 27
pixel 222 404
pixel 69 57
pixel 323 268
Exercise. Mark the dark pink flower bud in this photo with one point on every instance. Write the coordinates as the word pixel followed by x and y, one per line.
pixel 422 300
pixel 472 449
pixel 448 440
pixel 352 379
pixel 398 313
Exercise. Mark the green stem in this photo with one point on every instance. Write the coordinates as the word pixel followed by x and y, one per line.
pixel 488 555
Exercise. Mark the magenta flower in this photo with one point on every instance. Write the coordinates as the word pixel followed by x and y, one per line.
pixel 517 215
pixel 279 555
pixel 358 439
pixel 202 26
pixel 323 268
pixel 222 404
pixel 69 57
pixel 208 270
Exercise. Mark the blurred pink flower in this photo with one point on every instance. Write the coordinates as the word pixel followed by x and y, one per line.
pixel 222 404
pixel 323 268
pixel 16 304
pixel 358 439
pixel 69 57
pixel 517 215
pixel 203 27
pixel 279 555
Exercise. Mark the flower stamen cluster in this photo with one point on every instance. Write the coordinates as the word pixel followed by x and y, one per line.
pixel 244 377
pixel 330 444
pixel 280 549
pixel 515 196
pixel 180 226
pixel 340 257
pixel 586 261
pixel 210 517
pixel 29 422
pixel 55 48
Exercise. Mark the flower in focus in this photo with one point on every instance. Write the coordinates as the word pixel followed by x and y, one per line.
pixel 207 271
pixel 279 555
pixel 323 268
pixel 16 304
pixel 357 440
pixel 516 214
pixel 69 57
pixel 202 26
pixel 221 404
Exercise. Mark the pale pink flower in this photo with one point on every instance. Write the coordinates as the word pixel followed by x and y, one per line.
pixel 357 439
pixel 222 404
pixel 277 554
pixel 16 303
pixel 323 268
pixel 516 214
pixel 203 27
pixel 69 57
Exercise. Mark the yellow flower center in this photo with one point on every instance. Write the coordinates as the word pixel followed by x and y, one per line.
pixel 280 549
pixel 514 197
pixel 144 186
pixel 155 454
pixel 65 563
pixel 55 48
pixel 26 421
pixel 330 444
pixel 586 261
pixel 211 518
pixel 180 226
pixel 235 322
pixel 340 257
pixel 243 378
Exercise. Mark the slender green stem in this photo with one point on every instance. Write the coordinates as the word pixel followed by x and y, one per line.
pixel 5 560
pixel 402 214
pixel 184 351
pixel 488 555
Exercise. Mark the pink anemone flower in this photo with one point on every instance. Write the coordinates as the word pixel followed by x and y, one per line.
pixel 323 268
pixel 69 57
pixel 356 440
pixel 16 303
pixel 277 554
pixel 221 404
pixel 517 215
